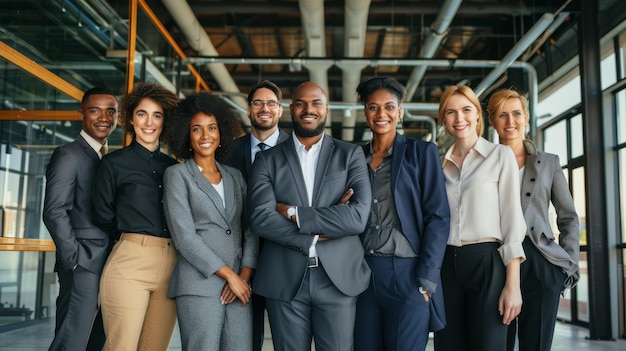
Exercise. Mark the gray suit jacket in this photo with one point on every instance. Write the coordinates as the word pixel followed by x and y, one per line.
pixel 276 177
pixel 67 207
pixel 543 183
pixel 206 235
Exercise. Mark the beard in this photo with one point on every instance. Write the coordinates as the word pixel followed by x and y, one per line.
pixel 259 126
pixel 308 133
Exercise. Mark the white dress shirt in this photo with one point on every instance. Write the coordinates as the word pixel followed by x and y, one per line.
pixel 95 144
pixel 308 164
pixel 484 198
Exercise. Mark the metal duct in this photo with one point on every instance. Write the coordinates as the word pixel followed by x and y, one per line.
pixel 354 42
pixel 515 52
pixel 437 32
pixel 312 16
pixel 200 41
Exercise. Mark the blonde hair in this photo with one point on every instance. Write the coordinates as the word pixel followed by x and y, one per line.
pixel 497 100
pixel 470 95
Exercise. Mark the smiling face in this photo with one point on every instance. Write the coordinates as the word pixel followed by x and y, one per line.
pixel 264 117
pixel 309 109
pixel 460 117
pixel 99 116
pixel 147 123
pixel 382 112
pixel 510 121
pixel 204 135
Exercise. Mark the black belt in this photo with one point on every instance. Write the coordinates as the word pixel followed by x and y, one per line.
pixel 313 262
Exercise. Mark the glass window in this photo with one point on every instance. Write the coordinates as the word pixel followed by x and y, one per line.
pixel 622 192
pixel 560 101
pixel 620 116
pixel 555 140
pixel 608 72
pixel 582 289
pixel 576 137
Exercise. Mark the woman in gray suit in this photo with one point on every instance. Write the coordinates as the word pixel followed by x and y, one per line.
pixel 204 208
pixel 551 265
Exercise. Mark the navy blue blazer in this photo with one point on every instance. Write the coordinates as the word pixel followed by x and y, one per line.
pixel 241 159
pixel 421 201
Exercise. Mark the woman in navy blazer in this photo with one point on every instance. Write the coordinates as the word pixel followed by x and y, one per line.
pixel 407 231
pixel 204 207
pixel 551 265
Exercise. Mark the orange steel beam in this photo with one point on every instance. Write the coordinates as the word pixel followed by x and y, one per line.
pixel 130 55
pixel 168 37
pixel 38 115
pixel 20 244
pixel 39 72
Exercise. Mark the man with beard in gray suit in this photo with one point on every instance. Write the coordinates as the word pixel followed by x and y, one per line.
pixel 312 266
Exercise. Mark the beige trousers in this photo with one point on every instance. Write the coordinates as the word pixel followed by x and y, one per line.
pixel 136 312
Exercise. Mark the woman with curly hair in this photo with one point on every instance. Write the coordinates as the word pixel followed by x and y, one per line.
pixel 204 207
pixel 127 204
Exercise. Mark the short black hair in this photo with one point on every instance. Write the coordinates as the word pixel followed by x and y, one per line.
pixel 95 91
pixel 211 104
pixel 367 87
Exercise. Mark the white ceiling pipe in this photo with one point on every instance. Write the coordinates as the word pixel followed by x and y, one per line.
pixel 356 13
pixel 312 17
pixel 516 51
pixel 438 30
pixel 199 40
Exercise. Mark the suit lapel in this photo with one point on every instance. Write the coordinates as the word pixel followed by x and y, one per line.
pixel 246 154
pixel 229 192
pixel 399 148
pixel 87 148
pixel 322 166
pixel 296 171
pixel 206 187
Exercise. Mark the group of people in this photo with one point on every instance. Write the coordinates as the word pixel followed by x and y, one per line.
pixel 354 248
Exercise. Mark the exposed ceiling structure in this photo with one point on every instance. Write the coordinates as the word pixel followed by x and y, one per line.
pixel 236 43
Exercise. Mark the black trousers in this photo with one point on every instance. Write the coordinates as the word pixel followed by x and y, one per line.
pixel 473 277
pixel 542 283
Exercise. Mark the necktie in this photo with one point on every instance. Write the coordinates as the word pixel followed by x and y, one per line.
pixel 262 146
pixel 103 150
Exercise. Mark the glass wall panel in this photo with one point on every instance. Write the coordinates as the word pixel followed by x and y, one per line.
pixel 608 70
pixel 560 101
pixel 555 140
pixel 18 286
pixel 620 115
pixel 576 137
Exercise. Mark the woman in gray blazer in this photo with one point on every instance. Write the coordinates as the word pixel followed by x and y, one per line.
pixel 551 265
pixel 204 204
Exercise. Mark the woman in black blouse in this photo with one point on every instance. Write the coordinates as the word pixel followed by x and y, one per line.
pixel 127 204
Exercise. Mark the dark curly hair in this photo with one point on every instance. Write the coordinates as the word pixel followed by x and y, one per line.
pixel 367 87
pixel 156 92
pixel 178 135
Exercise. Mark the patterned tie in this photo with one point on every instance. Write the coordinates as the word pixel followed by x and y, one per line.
pixel 103 150
pixel 262 146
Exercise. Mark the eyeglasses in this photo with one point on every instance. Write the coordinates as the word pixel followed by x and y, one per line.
pixel 98 112
pixel 259 103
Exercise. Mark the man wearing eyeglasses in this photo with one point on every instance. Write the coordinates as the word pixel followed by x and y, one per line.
pixel 81 247
pixel 264 111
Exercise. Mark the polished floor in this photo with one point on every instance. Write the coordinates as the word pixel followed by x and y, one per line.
pixel 38 336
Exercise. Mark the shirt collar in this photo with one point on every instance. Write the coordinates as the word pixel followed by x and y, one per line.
pixel 271 140
pixel 482 146
pixel 300 146
pixel 143 152
pixel 95 144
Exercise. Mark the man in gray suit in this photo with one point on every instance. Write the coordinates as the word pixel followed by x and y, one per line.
pixel 82 248
pixel 312 266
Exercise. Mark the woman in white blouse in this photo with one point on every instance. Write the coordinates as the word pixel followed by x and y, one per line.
pixel 481 267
